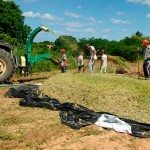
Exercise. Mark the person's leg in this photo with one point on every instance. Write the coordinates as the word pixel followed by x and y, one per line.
pixel 101 69
pixel 82 68
pixel 62 69
pixel 93 62
pixel 147 67
pixel 79 69
pixel 105 69
pixel 91 66
pixel 145 70
pixel 65 68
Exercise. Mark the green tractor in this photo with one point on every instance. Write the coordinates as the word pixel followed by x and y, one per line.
pixel 9 63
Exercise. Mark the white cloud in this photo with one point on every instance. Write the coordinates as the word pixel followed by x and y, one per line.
pixel 73 30
pixel 125 30
pixel 73 15
pixel 31 14
pixel 92 19
pixel 106 36
pixel 146 2
pixel 87 30
pixel 99 21
pixel 118 21
pixel 77 24
pixel 120 13
pixel 74 24
pixel 90 30
pixel 106 31
pixel 48 16
pixel 148 15
pixel 42 16
pixel 78 7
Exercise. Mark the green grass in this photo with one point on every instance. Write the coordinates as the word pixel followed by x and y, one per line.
pixel 118 94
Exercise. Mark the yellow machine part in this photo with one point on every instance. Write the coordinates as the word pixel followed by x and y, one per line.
pixel 23 61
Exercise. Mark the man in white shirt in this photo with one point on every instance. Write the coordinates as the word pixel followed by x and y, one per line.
pixel 92 58
pixel 103 61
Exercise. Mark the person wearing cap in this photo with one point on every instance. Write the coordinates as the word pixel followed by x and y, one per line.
pixel 92 58
pixel 103 61
pixel 63 61
pixel 146 63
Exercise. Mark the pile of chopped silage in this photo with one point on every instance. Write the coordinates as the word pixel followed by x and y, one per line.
pixel 117 94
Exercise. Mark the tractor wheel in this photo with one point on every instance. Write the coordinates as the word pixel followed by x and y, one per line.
pixel 7 66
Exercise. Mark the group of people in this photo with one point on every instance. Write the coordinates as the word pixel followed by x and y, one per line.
pixel 93 58
pixel 103 68
pixel 80 62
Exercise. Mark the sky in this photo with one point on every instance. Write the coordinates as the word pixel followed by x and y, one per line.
pixel 106 19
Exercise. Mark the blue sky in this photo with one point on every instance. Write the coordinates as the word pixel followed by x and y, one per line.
pixel 106 19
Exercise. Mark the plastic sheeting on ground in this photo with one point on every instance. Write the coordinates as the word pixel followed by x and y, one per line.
pixel 75 115
pixel 113 122
pixel 23 91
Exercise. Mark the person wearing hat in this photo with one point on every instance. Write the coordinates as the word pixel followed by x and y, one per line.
pixel 92 58
pixel 63 62
pixel 146 63
pixel 103 61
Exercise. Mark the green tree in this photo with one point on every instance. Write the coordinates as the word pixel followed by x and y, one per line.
pixel 8 39
pixel 12 21
pixel 67 42
pixel 97 43
pixel 138 33
pixel 130 41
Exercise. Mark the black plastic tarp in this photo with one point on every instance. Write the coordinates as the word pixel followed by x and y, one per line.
pixel 75 115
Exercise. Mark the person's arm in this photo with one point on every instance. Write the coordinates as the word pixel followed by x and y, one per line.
pixel 148 57
pixel 147 53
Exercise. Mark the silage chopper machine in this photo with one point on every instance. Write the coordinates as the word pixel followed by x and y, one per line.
pixel 9 64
